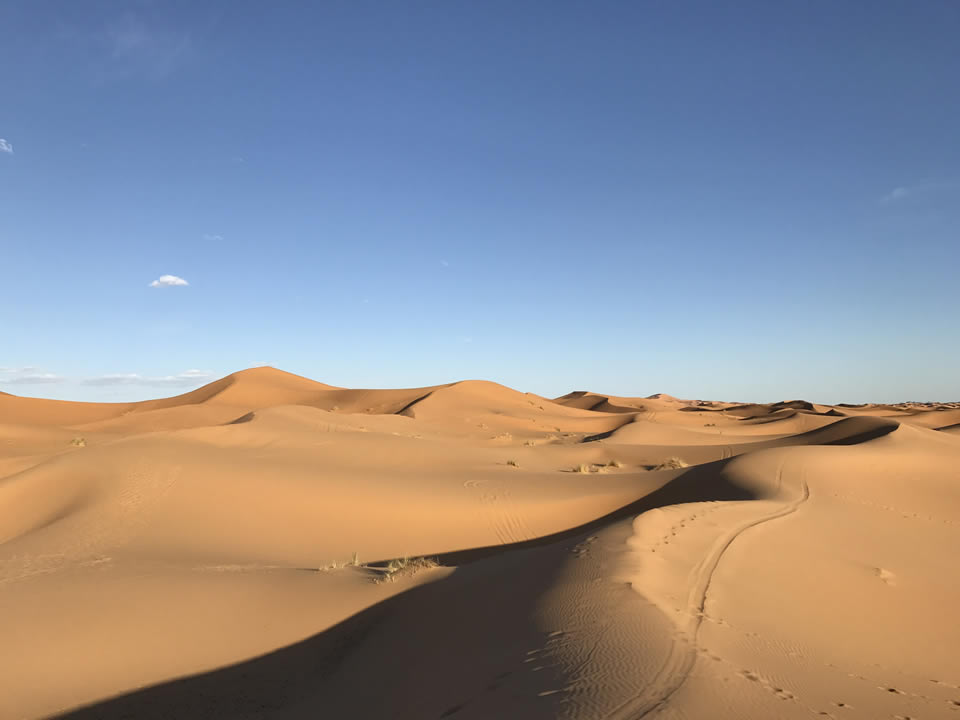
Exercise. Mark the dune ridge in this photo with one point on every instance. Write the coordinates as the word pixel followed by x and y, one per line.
pixel 224 553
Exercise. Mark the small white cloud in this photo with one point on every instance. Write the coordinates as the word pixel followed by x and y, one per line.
pixel 445 263
pixel 187 377
pixel 5 146
pixel 168 281
pixel 212 238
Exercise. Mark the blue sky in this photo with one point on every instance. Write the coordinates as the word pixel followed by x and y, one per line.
pixel 746 200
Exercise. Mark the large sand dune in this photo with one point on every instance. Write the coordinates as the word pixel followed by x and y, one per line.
pixel 224 554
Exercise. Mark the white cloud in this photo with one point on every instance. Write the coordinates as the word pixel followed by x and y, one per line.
pixel 168 281
pixel 213 238
pixel 5 146
pixel 187 377
pixel 22 376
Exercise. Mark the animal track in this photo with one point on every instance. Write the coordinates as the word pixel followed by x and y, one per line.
pixel 581 548
pixel 766 685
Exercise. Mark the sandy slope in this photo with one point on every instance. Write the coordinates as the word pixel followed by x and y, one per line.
pixel 192 557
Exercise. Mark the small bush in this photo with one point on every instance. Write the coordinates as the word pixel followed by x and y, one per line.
pixel 581 468
pixel 673 463
pixel 615 464
pixel 513 463
pixel 401 567
pixel 78 442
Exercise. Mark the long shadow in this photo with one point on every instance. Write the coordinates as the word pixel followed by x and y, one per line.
pixel 443 649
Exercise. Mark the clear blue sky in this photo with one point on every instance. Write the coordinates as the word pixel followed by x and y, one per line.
pixel 749 200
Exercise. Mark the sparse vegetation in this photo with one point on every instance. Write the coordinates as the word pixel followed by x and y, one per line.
pixel 582 468
pixel 513 463
pixel 529 443
pixel 673 463
pixel 709 424
pixel 401 567
pixel 615 464
pixel 78 442
pixel 354 561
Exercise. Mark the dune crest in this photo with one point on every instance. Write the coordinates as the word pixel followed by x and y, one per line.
pixel 251 549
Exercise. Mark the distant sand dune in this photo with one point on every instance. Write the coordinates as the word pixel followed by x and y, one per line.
pixel 220 554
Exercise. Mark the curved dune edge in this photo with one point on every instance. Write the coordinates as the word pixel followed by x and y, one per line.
pixel 204 539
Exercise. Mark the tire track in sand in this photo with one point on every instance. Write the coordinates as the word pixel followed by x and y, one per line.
pixel 683 652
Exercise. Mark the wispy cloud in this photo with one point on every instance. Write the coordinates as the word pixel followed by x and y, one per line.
pixel 5 146
pixel 168 281
pixel 212 238
pixel 28 376
pixel 898 193
pixel 186 378
pixel 36 379
pixel 915 191
pixel 136 46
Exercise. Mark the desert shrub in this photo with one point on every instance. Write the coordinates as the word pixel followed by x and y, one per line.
pixel 401 567
pixel 673 463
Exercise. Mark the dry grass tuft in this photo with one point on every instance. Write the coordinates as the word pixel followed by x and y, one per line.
pixel 513 463
pixel 615 464
pixel 673 463
pixel 582 468
pixel 402 567
pixel 340 564
pixel 78 442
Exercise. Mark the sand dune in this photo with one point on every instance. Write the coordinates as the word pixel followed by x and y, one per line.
pixel 224 553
